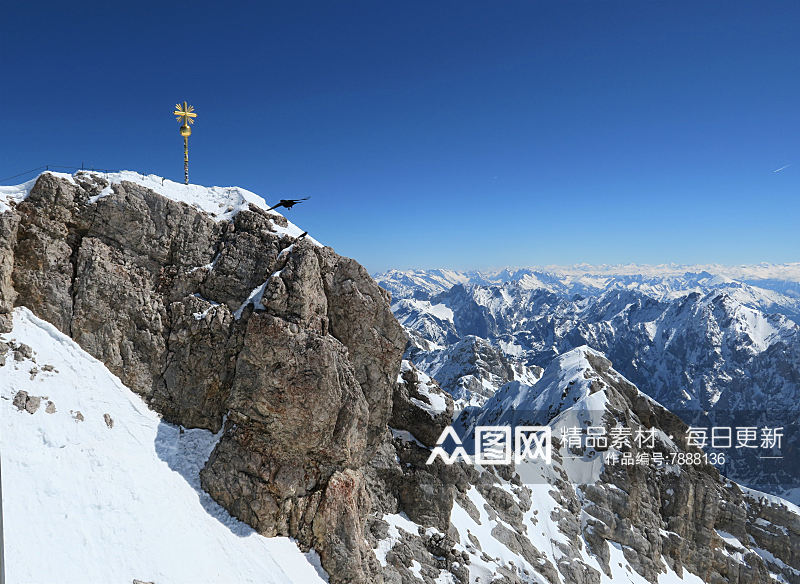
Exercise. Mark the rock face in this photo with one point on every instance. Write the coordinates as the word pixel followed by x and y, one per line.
pixel 415 405
pixel 681 514
pixel 8 235
pixel 298 378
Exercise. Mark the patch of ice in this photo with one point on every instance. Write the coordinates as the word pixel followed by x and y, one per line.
pixel 730 539
pixel 255 299
pixel 407 436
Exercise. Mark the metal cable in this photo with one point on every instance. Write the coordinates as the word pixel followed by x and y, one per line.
pixel 52 166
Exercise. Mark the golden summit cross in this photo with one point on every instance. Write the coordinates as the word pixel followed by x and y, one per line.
pixel 185 114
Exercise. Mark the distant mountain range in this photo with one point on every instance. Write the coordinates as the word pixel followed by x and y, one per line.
pixel 773 286
pixel 712 347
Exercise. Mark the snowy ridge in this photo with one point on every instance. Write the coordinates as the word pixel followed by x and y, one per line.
pixel 93 473
pixel 571 393
pixel 567 395
pixel 434 322
pixel 486 534
pixel 221 203
pixel 470 369
pixel 429 281
pixel 589 276
pixel 547 397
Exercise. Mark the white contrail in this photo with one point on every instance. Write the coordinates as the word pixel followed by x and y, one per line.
pixel 782 167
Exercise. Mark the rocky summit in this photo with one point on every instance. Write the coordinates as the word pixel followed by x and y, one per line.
pixel 279 365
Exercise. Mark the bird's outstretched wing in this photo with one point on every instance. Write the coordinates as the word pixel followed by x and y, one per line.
pixel 288 203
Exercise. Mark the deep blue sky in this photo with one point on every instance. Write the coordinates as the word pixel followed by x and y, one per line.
pixel 439 134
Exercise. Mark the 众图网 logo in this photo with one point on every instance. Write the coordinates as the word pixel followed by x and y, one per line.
pixel 494 445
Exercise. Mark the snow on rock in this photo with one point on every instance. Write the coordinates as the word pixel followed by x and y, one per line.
pixel 396 521
pixel 254 298
pixel 96 488
pixel 544 533
pixel 16 193
pixel 769 499
pixel 436 403
pixel 221 203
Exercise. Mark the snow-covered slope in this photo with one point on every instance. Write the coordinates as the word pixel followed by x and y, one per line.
pixel 96 488
pixel 407 283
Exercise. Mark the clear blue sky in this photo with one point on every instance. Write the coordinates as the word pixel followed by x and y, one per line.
pixel 439 133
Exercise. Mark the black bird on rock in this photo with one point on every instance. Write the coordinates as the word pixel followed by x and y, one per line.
pixel 302 235
pixel 288 203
